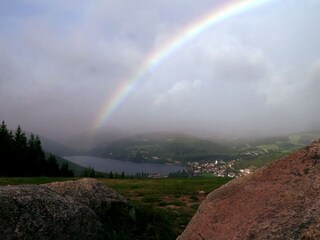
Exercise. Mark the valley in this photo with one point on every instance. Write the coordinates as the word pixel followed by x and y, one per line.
pixel 197 156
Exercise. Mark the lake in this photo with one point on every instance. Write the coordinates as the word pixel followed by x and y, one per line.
pixel 108 165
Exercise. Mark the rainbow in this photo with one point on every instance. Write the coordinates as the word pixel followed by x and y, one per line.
pixel 154 59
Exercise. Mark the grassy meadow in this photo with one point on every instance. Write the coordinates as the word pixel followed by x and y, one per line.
pixel 176 199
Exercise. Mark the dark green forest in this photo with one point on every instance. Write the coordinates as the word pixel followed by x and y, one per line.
pixel 23 156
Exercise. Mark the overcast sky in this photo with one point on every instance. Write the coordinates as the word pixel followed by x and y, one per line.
pixel 255 73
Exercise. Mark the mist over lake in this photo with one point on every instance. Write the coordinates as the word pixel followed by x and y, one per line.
pixel 107 165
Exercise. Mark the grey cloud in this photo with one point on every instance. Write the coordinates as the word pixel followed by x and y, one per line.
pixel 244 64
pixel 178 94
pixel 257 72
pixel 292 86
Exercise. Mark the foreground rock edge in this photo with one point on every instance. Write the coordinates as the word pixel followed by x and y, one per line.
pixel 279 201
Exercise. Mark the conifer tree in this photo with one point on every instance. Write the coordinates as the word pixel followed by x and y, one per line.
pixel 20 156
pixel 40 160
pixel 65 171
pixel 19 152
pixel 30 161
pixel 52 167
pixel 6 149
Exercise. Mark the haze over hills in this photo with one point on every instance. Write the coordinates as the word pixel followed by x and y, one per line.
pixel 89 139
pixel 181 149
pixel 177 147
pixel 252 72
pixel 164 147
pixel 57 148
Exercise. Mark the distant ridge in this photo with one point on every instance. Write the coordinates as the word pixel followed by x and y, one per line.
pixel 57 148
pixel 163 147
pixel 279 201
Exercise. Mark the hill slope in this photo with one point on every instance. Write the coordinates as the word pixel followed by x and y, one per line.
pixel 164 147
pixel 255 153
pixel 279 201
pixel 77 169
pixel 57 148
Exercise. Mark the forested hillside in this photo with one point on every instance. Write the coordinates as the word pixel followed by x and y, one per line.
pixel 23 156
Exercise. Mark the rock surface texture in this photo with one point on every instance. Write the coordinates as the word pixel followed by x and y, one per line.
pixel 279 201
pixel 67 210
pixel 91 193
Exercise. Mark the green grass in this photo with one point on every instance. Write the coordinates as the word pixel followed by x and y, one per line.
pixel 295 139
pixel 260 161
pixel 175 199
pixel 138 187
pixel 30 180
pixel 151 198
pixel 166 186
pixel 269 147
pixel 173 203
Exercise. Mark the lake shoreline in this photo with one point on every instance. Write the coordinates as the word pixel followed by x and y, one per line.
pixel 128 167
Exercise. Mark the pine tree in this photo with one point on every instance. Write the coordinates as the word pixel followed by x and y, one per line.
pixel 20 156
pixel 40 161
pixel 92 172
pixel 30 163
pixel 38 148
pixel 6 149
pixel 52 167
pixel 19 153
pixel 65 171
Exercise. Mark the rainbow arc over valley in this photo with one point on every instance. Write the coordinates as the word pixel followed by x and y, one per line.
pixel 221 13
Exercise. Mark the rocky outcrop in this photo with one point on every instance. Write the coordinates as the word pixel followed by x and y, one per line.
pixel 91 193
pixel 67 210
pixel 280 201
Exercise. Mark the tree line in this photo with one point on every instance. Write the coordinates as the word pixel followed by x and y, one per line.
pixel 91 173
pixel 23 156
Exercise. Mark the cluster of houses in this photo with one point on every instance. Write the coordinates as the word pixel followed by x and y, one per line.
pixel 218 168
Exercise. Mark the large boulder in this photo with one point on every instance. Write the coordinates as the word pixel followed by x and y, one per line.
pixel 280 201
pixel 36 212
pixel 105 202
pixel 69 210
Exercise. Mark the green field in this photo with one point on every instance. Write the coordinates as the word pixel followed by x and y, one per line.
pixel 30 180
pixel 165 206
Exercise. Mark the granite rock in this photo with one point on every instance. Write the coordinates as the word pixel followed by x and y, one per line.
pixel 279 201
